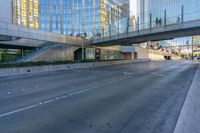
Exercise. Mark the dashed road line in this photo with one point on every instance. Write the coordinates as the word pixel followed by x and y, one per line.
pixel 19 110
pixel 60 98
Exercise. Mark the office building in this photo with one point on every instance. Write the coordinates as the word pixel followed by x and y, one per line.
pixel 71 17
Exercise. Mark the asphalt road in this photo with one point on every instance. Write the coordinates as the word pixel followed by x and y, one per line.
pixel 132 98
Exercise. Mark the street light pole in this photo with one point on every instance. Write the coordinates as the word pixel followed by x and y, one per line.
pixel 82 50
pixel 192 49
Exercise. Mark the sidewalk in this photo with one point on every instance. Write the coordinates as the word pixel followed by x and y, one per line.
pixel 189 119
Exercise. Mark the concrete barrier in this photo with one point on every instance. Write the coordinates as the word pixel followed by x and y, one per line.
pixel 49 68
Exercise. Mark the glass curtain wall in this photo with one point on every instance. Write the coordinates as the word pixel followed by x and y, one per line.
pixel 114 15
pixel 26 13
pixel 73 17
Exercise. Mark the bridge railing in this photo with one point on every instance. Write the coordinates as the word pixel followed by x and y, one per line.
pixel 152 23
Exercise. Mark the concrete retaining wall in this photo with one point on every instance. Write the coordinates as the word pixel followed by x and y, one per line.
pixel 146 53
pixel 153 54
pixel 49 68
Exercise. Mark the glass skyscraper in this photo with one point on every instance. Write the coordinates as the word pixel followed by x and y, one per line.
pixel 72 17
pixel 26 13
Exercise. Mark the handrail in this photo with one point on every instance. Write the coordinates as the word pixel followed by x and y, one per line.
pixel 35 52
pixel 113 34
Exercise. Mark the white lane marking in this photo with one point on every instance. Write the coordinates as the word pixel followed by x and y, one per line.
pixel 62 97
pixel 79 92
pixel 19 110
pixel 49 101
pixel 23 90
pixel 59 98
pixel 113 82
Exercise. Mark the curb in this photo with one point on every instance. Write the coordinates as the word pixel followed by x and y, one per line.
pixel 50 68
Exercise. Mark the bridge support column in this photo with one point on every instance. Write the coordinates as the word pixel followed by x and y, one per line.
pixel 22 52
pixel 83 51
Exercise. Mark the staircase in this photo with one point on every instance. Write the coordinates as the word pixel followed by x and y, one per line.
pixel 36 52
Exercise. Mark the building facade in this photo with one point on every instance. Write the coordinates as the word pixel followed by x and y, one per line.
pixel 71 17
pixel 26 13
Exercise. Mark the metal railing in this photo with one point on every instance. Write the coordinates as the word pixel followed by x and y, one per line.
pixel 101 34
pixel 151 24
pixel 35 52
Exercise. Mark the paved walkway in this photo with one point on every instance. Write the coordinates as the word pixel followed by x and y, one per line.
pixel 189 119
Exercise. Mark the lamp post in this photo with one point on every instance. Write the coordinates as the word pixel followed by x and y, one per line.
pixel 192 49
pixel 82 50
pixel 84 37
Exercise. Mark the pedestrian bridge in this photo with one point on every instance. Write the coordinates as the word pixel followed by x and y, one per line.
pixel 150 33
pixel 169 28
pixel 8 31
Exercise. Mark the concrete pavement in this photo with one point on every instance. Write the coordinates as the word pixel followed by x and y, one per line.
pixel 130 98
